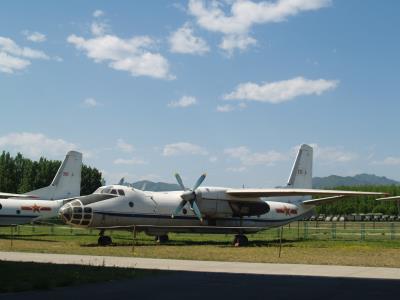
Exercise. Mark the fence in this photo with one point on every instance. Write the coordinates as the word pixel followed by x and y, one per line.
pixel 319 230
pixel 300 230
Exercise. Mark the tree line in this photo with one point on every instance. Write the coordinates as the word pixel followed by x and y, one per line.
pixel 350 205
pixel 19 174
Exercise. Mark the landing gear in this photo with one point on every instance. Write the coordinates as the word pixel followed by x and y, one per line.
pixel 240 240
pixel 104 240
pixel 162 239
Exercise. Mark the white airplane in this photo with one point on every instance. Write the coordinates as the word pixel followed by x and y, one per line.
pixel 44 202
pixel 202 209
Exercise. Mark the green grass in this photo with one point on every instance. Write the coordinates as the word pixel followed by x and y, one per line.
pixel 350 244
pixel 18 276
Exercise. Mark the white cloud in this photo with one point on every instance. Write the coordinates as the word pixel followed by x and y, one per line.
pixel 241 42
pixel 225 108
pixel 10 64
pixel 35 36
pixel 133 55
pixel 99 28
pixel 332 154
pixel 98 13
pixel 14 58
pixel 35 145
pixel 213 159
pixel 91 102
pixel 131 161
pixel 184 101
pixel 183 41
pixel 388 161
pixel 183 148
pixel 124 146
pixel 281 91
pixel 244 14
pixel 236 169
pixel 249 158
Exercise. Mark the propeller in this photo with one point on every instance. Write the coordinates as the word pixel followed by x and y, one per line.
pixel 189 196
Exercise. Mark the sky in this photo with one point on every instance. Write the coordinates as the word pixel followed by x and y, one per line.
pixel 231 88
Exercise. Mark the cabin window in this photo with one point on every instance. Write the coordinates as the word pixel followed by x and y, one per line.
pixel 1 206
pixel 131 204
pixel 121 192
pixel 18 211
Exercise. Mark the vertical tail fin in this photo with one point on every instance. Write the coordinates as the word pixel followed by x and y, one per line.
pixel 301 175
pixel 66 183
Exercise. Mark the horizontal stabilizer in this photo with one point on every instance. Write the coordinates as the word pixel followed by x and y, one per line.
pixel 10 195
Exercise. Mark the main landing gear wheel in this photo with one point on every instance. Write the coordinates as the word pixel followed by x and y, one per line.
pixel 104 240
pixel 240 240
pixel 161 239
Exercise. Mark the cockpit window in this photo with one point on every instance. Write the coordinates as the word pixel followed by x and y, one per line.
pixel 121 192
pixel 114 192
pixel 106 191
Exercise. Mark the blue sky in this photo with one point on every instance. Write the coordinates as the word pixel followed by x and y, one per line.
pixel 230 88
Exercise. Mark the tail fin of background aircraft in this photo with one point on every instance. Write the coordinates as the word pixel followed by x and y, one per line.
pixel 301 175
pixel 66 183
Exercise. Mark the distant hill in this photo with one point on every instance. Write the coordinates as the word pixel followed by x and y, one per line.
pixel 357 180
pixel 318 182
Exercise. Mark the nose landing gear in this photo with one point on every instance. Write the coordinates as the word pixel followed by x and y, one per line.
pixel 162 239
pixel 104 240
pixel 240 240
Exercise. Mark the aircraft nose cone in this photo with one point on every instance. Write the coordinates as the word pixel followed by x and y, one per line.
pixel 66 213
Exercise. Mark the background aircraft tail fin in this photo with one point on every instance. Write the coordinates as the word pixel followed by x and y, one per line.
pixel 66 183
pixel 301 175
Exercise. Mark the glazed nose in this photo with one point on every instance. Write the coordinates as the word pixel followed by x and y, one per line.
pixel 66 213
pixel 75 213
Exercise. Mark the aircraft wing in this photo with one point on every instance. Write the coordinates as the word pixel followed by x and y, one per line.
pixel 324 200
pixel 21 196
pixel 249 193
pixel 394 198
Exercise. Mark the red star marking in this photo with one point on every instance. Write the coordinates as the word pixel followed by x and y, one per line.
pixel 36 208
pixel 286 210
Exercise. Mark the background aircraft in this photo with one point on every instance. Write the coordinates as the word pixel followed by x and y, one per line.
pixel 202 209
pixel 44 203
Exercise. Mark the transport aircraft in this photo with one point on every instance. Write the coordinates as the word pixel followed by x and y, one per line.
pixel 44 202
pixel 202 209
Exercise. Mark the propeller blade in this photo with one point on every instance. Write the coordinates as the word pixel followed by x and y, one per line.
pixel 180 182
pixel 199 181
pixel 196 210
pixel 179 208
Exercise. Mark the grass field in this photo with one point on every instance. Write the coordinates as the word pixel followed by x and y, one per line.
pixel 340 244
pixel 18 277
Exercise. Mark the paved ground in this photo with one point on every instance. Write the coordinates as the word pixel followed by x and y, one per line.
pixel 209 266
pixel 200 285
pixel 219 280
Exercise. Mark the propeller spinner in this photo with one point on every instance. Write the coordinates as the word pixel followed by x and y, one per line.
pixel 189 196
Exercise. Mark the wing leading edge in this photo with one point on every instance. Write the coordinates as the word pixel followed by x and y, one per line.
pixel 249 193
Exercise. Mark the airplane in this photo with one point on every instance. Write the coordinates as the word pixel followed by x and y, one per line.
pixel 202 209
pixel 44 202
